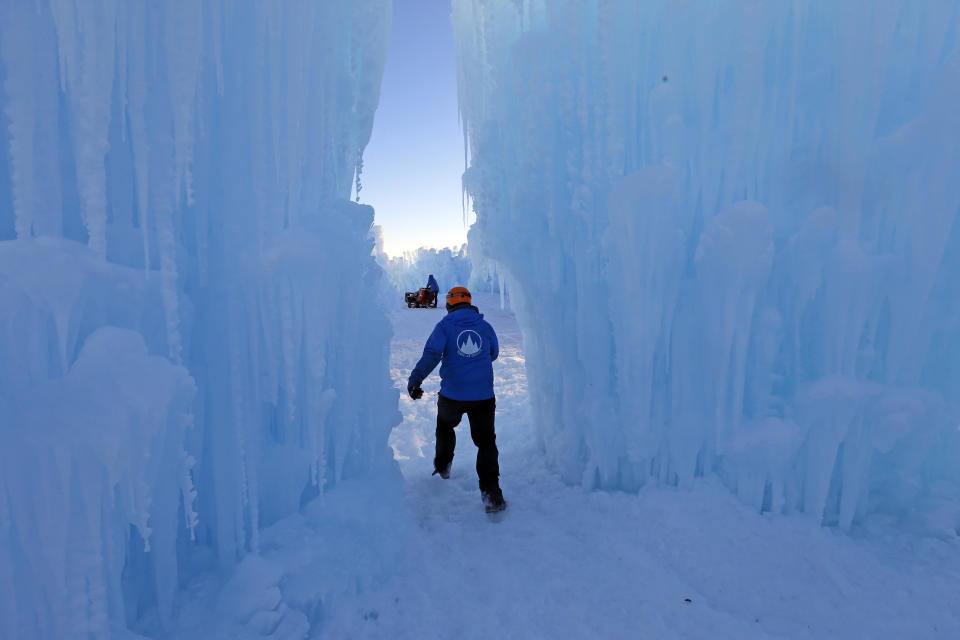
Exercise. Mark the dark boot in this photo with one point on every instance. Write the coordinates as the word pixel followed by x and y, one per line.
pixel 493 500
pixel 444 472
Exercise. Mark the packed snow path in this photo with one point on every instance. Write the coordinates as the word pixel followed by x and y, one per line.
pixel 565 563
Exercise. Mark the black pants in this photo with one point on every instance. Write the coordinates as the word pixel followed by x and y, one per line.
pixel 481 414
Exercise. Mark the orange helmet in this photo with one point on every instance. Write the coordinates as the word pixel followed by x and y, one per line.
pixel 458 295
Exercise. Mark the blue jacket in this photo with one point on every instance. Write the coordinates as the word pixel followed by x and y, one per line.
pixel 468 345
pixel 432 284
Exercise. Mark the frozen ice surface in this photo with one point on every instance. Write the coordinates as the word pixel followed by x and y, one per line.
pixel 179 364
pixel 744 221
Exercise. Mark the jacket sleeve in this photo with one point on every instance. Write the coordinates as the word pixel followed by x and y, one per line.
pixel 494 345
pixel 432 354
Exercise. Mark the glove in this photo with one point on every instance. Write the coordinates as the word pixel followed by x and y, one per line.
pixel 415 391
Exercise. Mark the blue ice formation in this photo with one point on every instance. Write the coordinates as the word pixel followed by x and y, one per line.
pixel 744 219
pixel 452 267
pixel 408 272
pixel 178 366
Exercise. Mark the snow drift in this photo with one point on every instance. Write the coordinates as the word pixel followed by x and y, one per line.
pixel 176 371
pixel 745 223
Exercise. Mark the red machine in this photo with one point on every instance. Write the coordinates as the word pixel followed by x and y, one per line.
pixel 422 299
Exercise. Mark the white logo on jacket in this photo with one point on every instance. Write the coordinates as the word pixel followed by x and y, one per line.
pixel 469 343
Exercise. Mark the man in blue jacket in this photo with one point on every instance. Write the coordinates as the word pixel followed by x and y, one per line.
pixel 432 285
pixel 467 345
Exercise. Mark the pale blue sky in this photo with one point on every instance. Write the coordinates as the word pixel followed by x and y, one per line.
pixel 413 164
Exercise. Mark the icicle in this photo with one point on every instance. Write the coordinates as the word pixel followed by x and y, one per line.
pixel 275 36
pixel 64 17
pixel 318 466
pixel 245 475
pixel 252 479
pixel 89 70
pixel 168 278
pixel 503 290
pixel 216 22
pixel 300 76
pixel 463 185
pixel 290 334
pixel 85 585
pixel 203 244
pixel 123 38
pixel 184 23
pixel 188 493
pixel 136 108
pixel 359 170
pixel 141 507
pixel 257 88
pixel 15 41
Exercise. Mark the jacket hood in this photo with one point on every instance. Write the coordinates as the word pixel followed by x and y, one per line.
pixel 465 316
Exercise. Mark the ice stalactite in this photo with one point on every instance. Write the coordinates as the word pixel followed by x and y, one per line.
pixel 291 332
pixel 168 276
pixel 22 114
pixel 357 185
pixel 184 44
pixel 35 176
pixel 188 492
pixel 88 37
pixel 137 118
pixel 317 434
pixel 296 116
pixel 654 268
pixel 748 226
pixel 734 256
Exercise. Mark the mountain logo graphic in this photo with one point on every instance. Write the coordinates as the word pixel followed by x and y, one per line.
pixel 469 343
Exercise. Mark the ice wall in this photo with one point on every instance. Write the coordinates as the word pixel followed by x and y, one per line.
pixel 178 364
pixel 733 234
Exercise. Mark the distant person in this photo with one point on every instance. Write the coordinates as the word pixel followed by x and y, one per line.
pixel 467 345
pixel 429 293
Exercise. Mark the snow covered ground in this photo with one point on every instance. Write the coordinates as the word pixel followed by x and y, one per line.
pixel 563 562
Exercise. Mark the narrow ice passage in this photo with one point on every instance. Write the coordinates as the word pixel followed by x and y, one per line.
pixel 733 231
pixel 565 563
